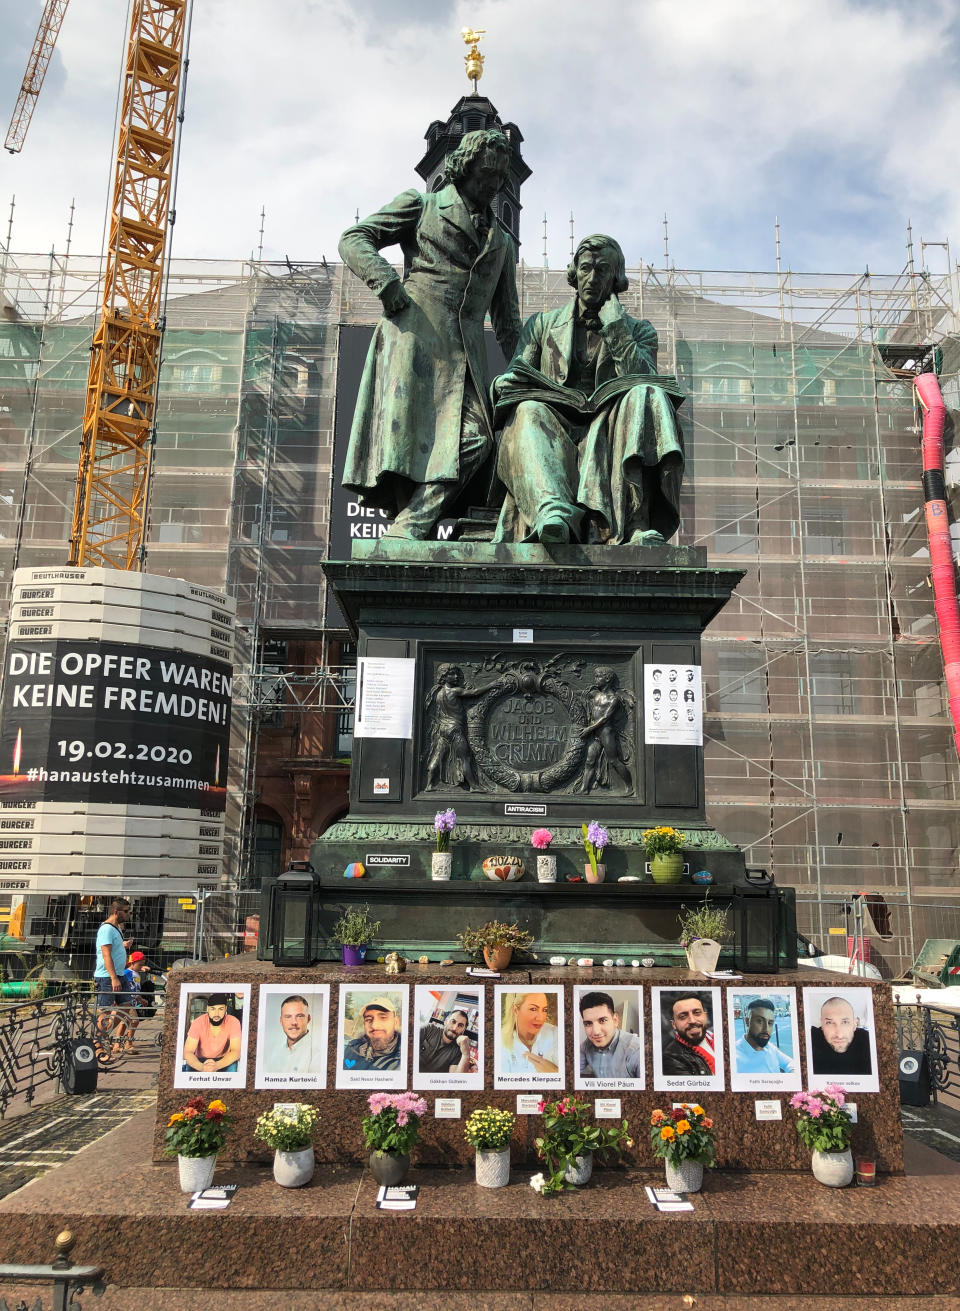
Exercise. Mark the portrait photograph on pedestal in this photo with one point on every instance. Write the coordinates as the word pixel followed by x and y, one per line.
pixel 448 1048
pixel 528 1027
pixel 764 1040
pixel 687 1029
pixel 213 1030
pixel 292 1028
pixel 607 1031
pixel 372 1036
pixel 841 1039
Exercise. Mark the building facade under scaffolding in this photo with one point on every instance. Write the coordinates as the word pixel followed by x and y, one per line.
pixel 828 745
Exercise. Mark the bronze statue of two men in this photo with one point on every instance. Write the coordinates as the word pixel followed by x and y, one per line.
pixel 590 449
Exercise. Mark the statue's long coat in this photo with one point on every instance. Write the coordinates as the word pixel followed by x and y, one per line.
pixel 406 426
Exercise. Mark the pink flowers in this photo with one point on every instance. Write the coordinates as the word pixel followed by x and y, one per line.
pixel 393 1124
pixel 541 838
pixel 822 1121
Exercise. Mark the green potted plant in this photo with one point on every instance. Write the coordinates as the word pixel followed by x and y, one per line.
pixel 390 1130
pixel 291 1137
pixel 569 1142
pixel 823 1122
pixel 684 1142
pixel 497 942
pixel 489 1130
pixel 702 931
pixel 355 930
pixel 663 848
pixel 194 1136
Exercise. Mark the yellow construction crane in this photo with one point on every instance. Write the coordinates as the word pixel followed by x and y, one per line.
pixel 110 510
pixel 37 64
pixel 116 447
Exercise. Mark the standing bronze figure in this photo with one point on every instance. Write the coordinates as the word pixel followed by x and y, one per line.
pixel 422 429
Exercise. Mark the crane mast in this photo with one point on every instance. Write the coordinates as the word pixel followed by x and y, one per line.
pixel 110 510
pixel 37 64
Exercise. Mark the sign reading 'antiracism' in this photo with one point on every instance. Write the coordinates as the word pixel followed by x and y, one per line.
pixel 108 722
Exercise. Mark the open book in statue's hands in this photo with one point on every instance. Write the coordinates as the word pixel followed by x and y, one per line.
pixel 523 382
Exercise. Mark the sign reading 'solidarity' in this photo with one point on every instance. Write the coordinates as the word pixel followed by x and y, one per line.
pixel 115 723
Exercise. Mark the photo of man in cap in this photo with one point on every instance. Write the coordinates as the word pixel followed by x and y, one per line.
pixel 378 1046
pixel 212 1028
pixel 213 1038
pixel 372 1036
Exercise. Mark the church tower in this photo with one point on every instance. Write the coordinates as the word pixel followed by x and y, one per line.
pixel 475 113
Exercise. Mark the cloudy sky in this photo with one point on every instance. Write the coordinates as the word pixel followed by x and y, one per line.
pixel 840 116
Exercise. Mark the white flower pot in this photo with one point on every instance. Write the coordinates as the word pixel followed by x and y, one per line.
pixel 546 869
pixel 835 1169
pixel 703 954
pixel 293 1169
pixel 441 864
pixel 579 1170
pixel 687 1177
pixel 493 1168
pixel 196 1172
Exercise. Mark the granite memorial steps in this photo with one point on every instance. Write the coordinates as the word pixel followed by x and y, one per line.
pixel 749 1233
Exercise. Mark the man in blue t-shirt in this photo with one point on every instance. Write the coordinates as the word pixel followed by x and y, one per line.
pixel 111 962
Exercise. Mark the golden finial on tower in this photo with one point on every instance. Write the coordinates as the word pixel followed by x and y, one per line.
pixel 473 58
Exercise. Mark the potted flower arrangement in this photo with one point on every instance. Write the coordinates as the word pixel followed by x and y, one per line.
pixel 595 838
pixel 823 1122
pixel 355 930
pixel 663 848
pixel 541 838
pixel 496 941
pixel 569 1143
pixel 291 1137
pixel 684 1141
pixel 195 1135
pixel 390 1130
pixel 702 930
pixel 489 1130
pixel 444 822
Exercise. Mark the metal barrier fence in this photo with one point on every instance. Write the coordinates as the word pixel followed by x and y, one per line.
pixel 35 1036
pixel 882 929
pixel 227 924
pixel 922 1027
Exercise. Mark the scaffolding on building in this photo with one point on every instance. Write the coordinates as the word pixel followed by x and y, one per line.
pixel 828 746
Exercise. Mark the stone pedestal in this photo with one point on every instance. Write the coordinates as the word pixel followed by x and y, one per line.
pixel 528 704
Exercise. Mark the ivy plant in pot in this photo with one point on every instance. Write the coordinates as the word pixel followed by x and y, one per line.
pixel 684 1142
pixel 823 1122
pixel 194 1136
pixel 390 1130
pixel 702 931
pixel 291 1137
pixel 495 941
pixel 569 1142
pixel 663 848
pixel 355 930
pixel 489 1130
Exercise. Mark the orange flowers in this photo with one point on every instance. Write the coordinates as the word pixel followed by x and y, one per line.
pixel 667 1133
pixel 683 1126
pixel 707 1122
pixel 175 1118
pixel 657 1117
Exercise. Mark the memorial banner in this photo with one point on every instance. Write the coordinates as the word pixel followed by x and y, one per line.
pixel 841 1039
pixel 764 1051
pixel 608 1048
pixel 687 1026
pixel 528 1038
pixel 372 1036
pixel 88 722
pixel 448 1038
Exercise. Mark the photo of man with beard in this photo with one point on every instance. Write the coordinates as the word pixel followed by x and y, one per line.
pixel 211 1049
pixel 688 1042
pixel 213 1038
pixel 372 1038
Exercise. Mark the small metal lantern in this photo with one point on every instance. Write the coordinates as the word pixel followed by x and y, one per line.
pixel 293 914
pixel 757 919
